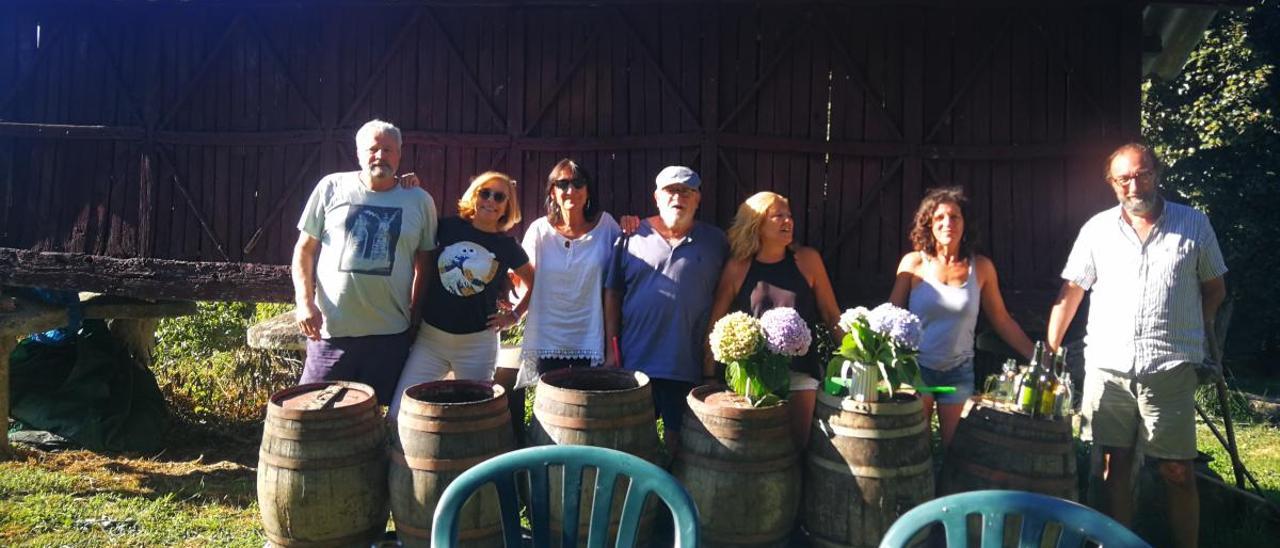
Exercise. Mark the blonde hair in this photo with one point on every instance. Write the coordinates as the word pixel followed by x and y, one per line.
pixel 467 203
pixel 744 233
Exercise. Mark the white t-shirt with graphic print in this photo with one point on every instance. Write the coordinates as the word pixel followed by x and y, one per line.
pixel 364 273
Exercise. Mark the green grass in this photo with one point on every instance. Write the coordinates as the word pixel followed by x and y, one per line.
pixel 82 499
pixel 1229 525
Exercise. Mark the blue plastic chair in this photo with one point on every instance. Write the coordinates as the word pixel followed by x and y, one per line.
pixel 502 471
pixel 1078 522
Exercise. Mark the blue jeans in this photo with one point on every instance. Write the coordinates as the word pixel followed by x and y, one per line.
pixel 960 377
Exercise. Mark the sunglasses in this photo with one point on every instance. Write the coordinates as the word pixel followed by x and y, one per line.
pixel 564 184
pixel 496 195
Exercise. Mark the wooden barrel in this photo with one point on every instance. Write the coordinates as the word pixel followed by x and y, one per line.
pixel 741 467
pixel 610 408
pixel 444 428
pixel 998 448
pixel 868 463
pixel 322 468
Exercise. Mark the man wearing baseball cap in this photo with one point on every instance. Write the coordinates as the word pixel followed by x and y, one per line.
pixel 658 296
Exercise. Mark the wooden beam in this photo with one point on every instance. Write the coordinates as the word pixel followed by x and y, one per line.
pixel 485 98
pixel 146 278
pixel 667 84
pixel 577 63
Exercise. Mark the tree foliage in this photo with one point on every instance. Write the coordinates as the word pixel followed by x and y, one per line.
pixel 1216 126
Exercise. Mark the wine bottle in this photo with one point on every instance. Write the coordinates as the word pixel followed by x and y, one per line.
pixel 1028 395
pixel 1063 403
pixel 1048 385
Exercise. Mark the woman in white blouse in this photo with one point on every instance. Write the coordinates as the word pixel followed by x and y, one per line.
pixel 570 249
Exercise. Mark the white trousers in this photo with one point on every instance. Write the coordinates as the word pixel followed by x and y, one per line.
pixel 435 353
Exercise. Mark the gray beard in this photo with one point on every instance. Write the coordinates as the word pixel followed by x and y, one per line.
pixel 1142 206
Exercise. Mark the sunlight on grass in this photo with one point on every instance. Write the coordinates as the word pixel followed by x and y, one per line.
pixel 101 501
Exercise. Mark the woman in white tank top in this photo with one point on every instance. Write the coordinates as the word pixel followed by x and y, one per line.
pixel 945 283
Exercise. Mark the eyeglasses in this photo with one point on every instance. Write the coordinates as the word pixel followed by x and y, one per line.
pixel 564 184
pixel 1145 177
pixel 496 195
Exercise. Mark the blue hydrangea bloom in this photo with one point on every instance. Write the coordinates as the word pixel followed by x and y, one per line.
pixel 898 324
pixel 785 332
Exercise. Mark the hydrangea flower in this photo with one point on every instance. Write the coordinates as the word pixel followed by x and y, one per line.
pixel 898 324
pixel 735 337
pixel 851 315
pixel 785 332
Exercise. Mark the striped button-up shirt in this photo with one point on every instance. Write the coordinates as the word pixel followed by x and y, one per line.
pixel 1145 314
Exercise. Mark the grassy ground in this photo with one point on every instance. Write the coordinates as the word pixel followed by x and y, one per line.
pixel 81 498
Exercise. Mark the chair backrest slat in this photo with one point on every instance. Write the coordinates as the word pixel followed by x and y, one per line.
pixel 643 478
pixel 1035 511
pixel 570 503
pixel 632 505
pixel 992 529
pixel 1071 537
pixel 601 506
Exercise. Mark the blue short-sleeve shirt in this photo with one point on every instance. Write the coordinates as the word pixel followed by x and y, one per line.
pixel 666 299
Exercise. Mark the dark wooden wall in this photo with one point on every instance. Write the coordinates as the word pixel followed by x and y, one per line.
pixel 193 131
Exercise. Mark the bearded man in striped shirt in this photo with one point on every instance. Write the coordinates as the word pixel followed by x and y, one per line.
pixel 1155 272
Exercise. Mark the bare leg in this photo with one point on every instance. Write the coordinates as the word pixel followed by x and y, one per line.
pixel 1117 483
pixel 1184 501
pixel 800 404
pixel 948 419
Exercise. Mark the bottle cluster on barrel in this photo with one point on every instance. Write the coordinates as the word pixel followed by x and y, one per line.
pixel 1041 389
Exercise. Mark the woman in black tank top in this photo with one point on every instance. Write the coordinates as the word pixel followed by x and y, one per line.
pixel 766 271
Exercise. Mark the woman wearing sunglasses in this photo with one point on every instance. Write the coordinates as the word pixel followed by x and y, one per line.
pixel 461 317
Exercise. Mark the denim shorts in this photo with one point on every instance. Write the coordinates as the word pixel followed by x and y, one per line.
pixel 960 377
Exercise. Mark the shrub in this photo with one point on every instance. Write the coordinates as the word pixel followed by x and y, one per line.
pixel 205 369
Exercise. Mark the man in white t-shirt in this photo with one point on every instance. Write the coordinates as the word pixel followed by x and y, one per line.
pixel 358 265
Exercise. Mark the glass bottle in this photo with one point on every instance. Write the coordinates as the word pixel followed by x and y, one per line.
pixel 1063 404
pixel 1006 381
pixel 1048 386
pixel 1028 393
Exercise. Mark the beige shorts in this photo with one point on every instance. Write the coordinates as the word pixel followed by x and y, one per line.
pixel 1154 414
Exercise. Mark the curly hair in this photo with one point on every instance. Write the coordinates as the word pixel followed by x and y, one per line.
pixel 590 211
pixel 744 233
pixel 467 203
pixel 922 230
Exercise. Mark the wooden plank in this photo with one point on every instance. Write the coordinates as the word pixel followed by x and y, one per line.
pixel 912 65
pixel 146 278
pixel 1001 205
pixel 1021 200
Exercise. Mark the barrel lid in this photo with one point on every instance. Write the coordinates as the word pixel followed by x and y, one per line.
pixel 594 379
pixel 322 397
pixel 454 392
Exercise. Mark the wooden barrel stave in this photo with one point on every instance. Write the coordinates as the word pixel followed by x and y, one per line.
pixel 997 448
pixel 608 408
pixel 444 428
pixel 868 463
pixel 741 468
pixel 309 458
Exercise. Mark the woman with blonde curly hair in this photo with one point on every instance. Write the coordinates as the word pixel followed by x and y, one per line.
pixel 460 316
pixel 944 282
pixel 765 271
